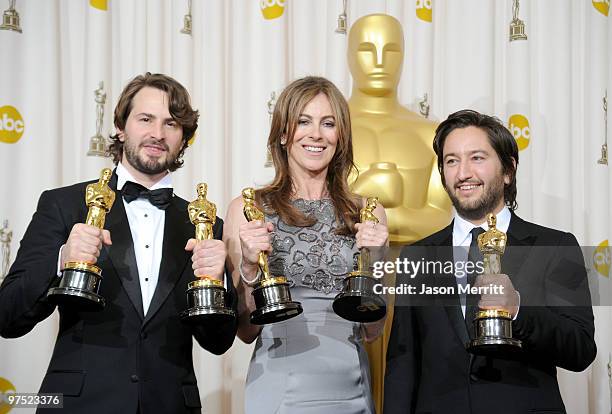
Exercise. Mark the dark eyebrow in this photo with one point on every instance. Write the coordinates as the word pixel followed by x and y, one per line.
pixel 154 117
pixel 478 151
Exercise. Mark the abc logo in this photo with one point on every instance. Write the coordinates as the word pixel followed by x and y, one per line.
pixel 423 9
pixel 11 124
pixel 602 6
pixel 519 127
pixel 99 4
pixel 271 9
pixel 601 259
pixel 6 388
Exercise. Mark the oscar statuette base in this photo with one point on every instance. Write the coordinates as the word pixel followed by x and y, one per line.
pixel 357 302
pixel 206 301
pixel 273 302
pixel 493 330
pixel 78 287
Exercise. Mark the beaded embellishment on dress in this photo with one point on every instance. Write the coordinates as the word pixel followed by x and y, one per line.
pixel 319 258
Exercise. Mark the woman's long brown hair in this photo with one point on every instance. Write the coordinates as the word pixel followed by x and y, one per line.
pixel 277 196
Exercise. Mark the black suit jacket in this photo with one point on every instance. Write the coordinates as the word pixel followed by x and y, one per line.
pixel 118 359
pixel 428 367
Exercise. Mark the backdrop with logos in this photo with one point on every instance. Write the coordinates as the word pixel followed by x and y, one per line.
pixel 548 83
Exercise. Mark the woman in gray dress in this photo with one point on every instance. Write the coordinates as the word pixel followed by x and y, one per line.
pixel 315 362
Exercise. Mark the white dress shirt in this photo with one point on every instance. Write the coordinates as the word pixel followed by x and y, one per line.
pixel 147 228
pixel 463 238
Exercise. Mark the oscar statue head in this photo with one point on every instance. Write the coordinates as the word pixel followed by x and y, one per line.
pixel 376 53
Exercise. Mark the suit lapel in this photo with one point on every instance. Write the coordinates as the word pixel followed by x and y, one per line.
pixel 177 230
pixel 453 310
pixel 519 240
pixel 121 253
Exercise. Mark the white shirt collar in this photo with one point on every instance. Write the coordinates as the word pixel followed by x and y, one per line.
pixel 462 227
pixel 123 175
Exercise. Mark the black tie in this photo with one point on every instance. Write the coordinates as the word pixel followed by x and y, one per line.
pixel 474 255
pixel 160 198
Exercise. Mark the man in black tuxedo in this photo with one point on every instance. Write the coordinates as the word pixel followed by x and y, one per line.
pixel 135 355
pixel 429 369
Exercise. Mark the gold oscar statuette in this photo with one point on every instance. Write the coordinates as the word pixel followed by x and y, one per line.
pixel 206 295
pixel 357 302
pixel 604 148
pixel 11 19
pixel 517 26
pixel 6 235
pixel 270 104
pixel 80 281
pixel 407 183
pixel 603 160
pixel 187 21
pixel 97 143
pixel 493 327
pixel 342 20
pixel 424 106
pixel 272 297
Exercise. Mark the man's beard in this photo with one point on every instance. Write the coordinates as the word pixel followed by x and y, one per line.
pixel 485 204
pixel 145 164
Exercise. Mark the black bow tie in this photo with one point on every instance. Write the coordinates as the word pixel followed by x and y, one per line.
pixel 160 198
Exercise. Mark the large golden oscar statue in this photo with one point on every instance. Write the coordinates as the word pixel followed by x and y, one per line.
pixel 392 148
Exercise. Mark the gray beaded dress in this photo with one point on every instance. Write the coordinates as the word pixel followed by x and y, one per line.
pixel 315 362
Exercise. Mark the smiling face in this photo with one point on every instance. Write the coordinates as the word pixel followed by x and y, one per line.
pixel 152 138
pixel 473 174
pixel 315 139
